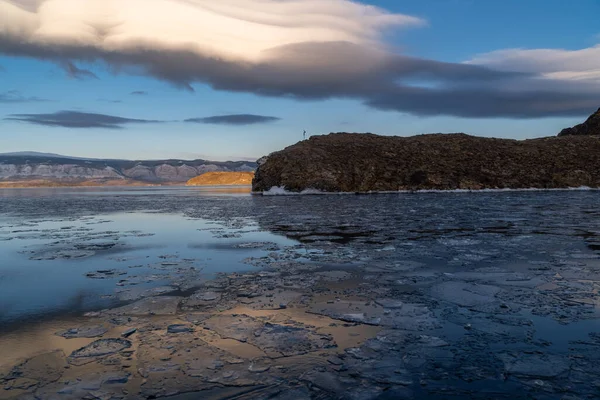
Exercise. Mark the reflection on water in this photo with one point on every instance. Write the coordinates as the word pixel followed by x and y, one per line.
pixel 50 265
pixel 126 190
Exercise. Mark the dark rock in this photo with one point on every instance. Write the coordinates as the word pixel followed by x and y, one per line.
pixel 589 127
pixel 364 162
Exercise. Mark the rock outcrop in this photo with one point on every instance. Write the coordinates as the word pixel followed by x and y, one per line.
pixel 589 127
pixel 345 162
pixel 222 178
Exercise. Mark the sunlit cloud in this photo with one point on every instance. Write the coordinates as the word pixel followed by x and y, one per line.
pixel 579 65
pixel 302 49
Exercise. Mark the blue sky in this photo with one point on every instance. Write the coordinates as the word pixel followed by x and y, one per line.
pixel 449 31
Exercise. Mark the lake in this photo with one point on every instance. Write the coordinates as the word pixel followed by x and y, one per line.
pixel 408 295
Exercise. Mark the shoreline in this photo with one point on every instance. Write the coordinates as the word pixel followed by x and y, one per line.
pixel 278 191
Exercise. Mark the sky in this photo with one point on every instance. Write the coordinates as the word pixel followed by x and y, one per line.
pixel 238 79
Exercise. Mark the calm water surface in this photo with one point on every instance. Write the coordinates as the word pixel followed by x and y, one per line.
pixel 48 247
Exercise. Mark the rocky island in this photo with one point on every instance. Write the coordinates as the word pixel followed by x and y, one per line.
pixel 222 179
pixel 590 127
pixel 350 162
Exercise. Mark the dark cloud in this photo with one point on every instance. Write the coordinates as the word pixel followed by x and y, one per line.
pixel 14 96
pixel 383 81
pixel 75 119
pixel 235 119
pixel 77 73
pixel 486 102
pixel 139 93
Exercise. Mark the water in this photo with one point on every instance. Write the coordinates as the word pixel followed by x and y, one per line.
pixel 151 226
pixel 509 281
pixel 48 255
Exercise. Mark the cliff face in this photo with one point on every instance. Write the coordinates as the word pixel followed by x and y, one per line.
pixel 222 178
pixel 365 162
pixel 589 127
pixel 57 168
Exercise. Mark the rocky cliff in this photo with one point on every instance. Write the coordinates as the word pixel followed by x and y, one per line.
pixel 589 127
pixel 365 162
pixel 15 167
pixel 222 178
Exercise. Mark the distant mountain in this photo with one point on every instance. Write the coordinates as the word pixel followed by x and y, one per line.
pixel 589 127
pixel 33 154
pixel 58 168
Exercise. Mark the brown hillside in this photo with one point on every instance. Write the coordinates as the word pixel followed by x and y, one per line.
pixel 589 127
pixel 222 178
pixel 365 162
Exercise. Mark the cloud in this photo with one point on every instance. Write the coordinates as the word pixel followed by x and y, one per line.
pixel 77 73
pixel 486 103
pixel 236 119
pixel 573 65
pixel 75 119
pixel 2 69
pixel 139 93
pixel 14 96
pixel 302 49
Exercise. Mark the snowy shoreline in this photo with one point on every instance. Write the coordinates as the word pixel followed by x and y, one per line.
pixel 280 191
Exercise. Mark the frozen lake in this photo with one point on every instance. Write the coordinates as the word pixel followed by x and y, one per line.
pixel 424 295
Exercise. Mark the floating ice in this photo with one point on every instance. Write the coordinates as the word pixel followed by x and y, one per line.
pixel 282 191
